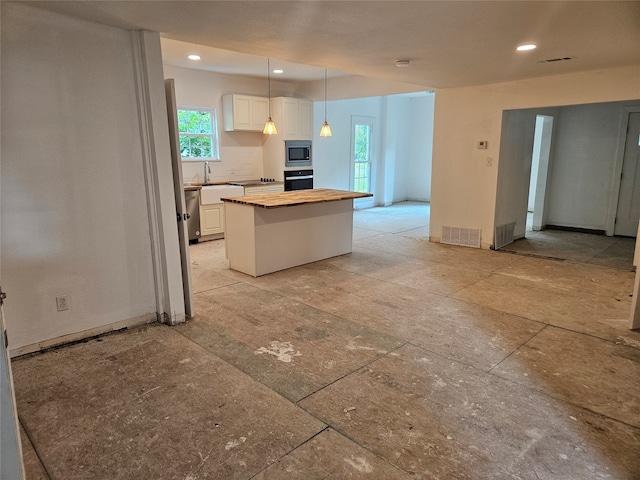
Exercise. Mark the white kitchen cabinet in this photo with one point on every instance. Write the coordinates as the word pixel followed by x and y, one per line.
pixel 211 220
pixel 244 113
pixel 305 122
pixel 273 188
pixel 294 117
pixel 257 190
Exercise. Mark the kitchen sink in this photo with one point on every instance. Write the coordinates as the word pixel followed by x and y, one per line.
pixel 213 193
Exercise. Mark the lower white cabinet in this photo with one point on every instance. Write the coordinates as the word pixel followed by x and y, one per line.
pixel 212 219
pixel 263 189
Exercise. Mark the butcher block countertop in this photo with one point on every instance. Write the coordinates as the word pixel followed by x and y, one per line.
pixel 296 197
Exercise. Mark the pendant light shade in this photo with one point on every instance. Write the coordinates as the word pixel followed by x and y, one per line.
pixel 325 130
pixel 270 126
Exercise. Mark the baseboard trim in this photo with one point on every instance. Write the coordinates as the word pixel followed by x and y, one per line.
pixel 83 335
pixel 576 229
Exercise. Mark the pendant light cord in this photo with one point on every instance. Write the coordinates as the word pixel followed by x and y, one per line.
pixel 269 84
pixel 325 95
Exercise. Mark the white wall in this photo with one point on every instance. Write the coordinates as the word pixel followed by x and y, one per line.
pixel 332 155
pixel 240 152
pixel 74 207
pixel 402 140
pixel 463 187
pixel 420 148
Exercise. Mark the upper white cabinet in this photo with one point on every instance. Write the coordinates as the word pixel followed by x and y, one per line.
pixel 244 113
pixel 294 117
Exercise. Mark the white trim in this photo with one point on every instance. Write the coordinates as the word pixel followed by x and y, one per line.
pixel 158 173
pixel 617 168
pixel 92 332
pixel 142 97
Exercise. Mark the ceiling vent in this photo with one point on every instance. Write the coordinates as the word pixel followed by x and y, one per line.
pixel 554 60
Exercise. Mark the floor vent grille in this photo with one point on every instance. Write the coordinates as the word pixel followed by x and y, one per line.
pixel 466 237
pixel 504 234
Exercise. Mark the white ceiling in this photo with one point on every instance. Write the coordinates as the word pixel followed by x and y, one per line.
pixel 449 43
pixel 213 59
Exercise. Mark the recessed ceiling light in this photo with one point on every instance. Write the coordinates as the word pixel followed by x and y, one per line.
pixel 403 63
pixel 524 48
pixel 278 70
pixel 193 57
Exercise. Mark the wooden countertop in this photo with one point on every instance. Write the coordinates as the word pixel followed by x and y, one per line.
pixel 296 197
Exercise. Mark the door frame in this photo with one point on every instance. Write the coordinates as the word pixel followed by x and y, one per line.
pixel 617 169
pixel 367 202
pixel 544 142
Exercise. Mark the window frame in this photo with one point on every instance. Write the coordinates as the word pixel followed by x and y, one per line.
pixel 215 134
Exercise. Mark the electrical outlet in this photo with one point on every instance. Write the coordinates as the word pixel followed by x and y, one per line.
pixel 62 303
pixel 489 161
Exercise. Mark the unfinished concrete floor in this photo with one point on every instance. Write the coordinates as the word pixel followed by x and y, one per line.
pixel 405 359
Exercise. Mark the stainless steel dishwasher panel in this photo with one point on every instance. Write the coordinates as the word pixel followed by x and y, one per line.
pixel 192 200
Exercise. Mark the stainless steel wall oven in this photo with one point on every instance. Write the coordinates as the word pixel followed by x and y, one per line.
pixel 298 179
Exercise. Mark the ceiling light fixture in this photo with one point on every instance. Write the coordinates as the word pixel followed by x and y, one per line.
pixel 403 63
pixel 325 130
pixel 193 56
pixel 269 127
pixel 278 70
pixel 524 48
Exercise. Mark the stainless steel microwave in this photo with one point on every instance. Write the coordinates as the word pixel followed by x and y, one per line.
pixel 298 153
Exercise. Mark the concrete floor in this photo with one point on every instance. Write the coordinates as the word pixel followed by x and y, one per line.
pixel 405 359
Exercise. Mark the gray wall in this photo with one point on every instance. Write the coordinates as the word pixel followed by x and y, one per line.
pixel 583 156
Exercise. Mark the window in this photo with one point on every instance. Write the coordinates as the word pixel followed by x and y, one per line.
pixel 198 130
pixel 362 158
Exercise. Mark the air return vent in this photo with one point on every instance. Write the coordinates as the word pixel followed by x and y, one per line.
pixel 504 234
pixel 466 237
pixel 554 60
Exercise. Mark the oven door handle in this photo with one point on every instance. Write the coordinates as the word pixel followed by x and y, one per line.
pixel 302 177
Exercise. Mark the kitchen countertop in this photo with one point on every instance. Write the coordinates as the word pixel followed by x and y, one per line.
pixel 254 183
pixel 245 183
pixel 296 197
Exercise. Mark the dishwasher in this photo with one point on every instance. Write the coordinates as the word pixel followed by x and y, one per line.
pixel 192 201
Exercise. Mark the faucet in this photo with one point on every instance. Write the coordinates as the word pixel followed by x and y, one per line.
pixel 207 171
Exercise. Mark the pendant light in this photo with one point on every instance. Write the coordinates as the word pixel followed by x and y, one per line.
pixel 325 130
pixel 269 127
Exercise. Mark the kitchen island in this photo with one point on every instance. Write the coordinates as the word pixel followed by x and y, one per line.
pixel 274 231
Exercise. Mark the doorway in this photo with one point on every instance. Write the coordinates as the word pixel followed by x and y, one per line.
pixel 362 159
pixel 561 168
pixel 539 171
pixel 628 209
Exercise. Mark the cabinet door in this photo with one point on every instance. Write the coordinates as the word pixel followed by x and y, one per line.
pixel 253 190
pixel 274 189
pixel 242 112
pixel 305 114
pixel 260 112
pixel 290 119
pixel 211 219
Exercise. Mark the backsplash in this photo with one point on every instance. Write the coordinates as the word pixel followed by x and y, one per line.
pixel 237 164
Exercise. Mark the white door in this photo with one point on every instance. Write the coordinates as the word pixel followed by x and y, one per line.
pixel 362 159
pixel 178 188
pixel 628 211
